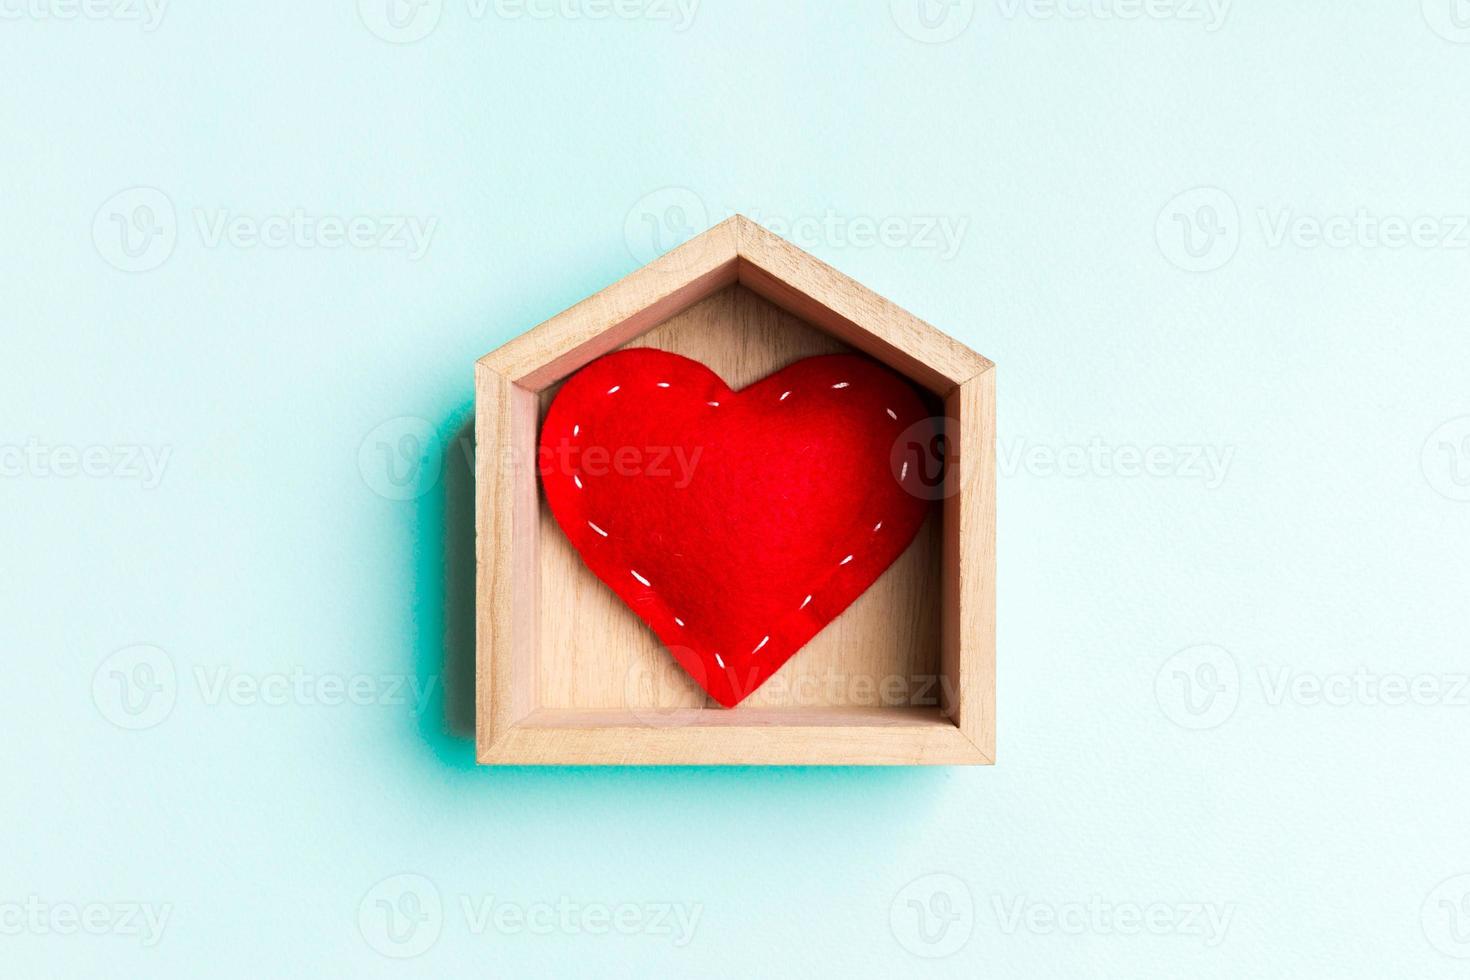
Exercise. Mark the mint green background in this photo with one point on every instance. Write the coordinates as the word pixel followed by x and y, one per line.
pixel 1327 548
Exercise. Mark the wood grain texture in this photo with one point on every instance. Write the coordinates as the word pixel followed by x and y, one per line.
pixel 871 737
pixel 566 674
pixel 968 654
pixel 507 575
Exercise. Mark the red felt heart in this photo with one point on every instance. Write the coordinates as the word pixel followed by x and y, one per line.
pixel 735 524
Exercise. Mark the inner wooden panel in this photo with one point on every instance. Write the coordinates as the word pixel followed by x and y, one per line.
pixel 596 654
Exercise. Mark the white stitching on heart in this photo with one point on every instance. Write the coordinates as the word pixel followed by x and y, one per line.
pixel 576 431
